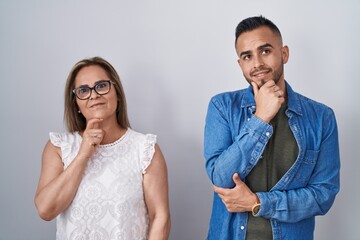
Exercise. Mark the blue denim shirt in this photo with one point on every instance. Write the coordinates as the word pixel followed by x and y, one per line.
pixel 235 139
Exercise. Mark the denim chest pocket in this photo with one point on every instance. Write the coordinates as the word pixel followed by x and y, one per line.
pixel 306 168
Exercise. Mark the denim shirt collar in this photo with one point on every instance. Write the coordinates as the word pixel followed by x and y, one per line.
pixel 293 99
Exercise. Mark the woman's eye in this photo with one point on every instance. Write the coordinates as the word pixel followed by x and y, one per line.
pixel 83 90
pixel 101 85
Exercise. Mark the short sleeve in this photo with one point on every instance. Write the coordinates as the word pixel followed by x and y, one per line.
pixel 55 139
pixel 148 151
pixel 63 141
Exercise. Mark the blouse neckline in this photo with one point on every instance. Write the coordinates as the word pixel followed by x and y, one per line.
pixel 110 144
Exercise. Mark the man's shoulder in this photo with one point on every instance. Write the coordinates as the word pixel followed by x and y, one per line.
pixel 311 101
pixel 229 95
pixel 314 106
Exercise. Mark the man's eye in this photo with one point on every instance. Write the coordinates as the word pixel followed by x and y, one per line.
pixel 246 57
pixel 265 51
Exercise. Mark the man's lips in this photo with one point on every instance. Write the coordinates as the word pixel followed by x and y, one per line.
pixel 260 73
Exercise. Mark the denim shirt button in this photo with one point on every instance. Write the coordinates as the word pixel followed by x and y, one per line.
pixel 242 227
pixel 267 134
pixel 248 119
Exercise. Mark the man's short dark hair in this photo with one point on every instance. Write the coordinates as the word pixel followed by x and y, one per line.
pixel 253 23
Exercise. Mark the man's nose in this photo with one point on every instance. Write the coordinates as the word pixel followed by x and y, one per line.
pixel 258 61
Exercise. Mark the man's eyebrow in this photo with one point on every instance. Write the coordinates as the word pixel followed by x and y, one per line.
pixel 266 45
pixel 244 53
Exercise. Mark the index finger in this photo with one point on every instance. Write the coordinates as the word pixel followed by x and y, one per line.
pixel 255 87
pixel 93 123
pixel 219 190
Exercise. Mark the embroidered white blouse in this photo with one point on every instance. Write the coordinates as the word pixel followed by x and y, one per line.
pixel 109 203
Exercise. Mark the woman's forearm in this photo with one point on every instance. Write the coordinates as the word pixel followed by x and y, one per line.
pixel 57 195
pixel 159 228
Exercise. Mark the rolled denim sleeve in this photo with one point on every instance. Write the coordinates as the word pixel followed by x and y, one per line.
pixel 318 195
pixel 226 155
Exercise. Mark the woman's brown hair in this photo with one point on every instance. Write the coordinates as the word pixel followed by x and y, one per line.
pixel 74 120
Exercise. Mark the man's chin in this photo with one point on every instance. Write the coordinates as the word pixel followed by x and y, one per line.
pixel 259 82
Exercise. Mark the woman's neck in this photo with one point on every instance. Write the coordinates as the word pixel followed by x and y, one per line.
pixel 113 132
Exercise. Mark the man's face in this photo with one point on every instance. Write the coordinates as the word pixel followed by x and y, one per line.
pixel 262 56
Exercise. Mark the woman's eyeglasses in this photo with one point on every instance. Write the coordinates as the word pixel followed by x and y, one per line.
pixel 84 92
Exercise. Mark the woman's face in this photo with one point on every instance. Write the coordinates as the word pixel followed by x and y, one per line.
pixel 96 106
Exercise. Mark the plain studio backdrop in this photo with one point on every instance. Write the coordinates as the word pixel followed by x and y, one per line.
pixel 172 56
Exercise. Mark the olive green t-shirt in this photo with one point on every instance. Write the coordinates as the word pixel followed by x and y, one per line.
pixel 279 155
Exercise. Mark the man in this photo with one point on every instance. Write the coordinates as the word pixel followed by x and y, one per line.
pixel 271 153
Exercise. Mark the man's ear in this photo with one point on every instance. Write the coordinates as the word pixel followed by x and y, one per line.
pixel 285 54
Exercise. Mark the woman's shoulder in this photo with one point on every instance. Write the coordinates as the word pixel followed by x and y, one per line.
pixel 140 136
pixel 144 141
pixel 60 138
pixel 146 147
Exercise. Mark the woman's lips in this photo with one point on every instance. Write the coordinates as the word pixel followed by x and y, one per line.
pixel 96 105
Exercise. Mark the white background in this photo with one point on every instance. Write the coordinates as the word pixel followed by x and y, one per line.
pixel 172 56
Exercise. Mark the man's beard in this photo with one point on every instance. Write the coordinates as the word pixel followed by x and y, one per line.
pixel 275 76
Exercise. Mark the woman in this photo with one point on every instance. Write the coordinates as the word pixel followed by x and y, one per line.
pixel 102 180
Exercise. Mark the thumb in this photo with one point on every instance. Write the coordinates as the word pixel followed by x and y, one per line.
pixel 255 87
pixel 94 123
pixel 237 179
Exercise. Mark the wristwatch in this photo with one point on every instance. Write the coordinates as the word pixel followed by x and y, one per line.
pixel 255 209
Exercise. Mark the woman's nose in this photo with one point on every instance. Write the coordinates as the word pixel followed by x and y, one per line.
pixel 94 94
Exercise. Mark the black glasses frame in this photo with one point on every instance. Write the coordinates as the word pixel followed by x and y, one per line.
pixel 94 88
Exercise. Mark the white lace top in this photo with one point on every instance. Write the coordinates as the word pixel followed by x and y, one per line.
pixel 109 203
